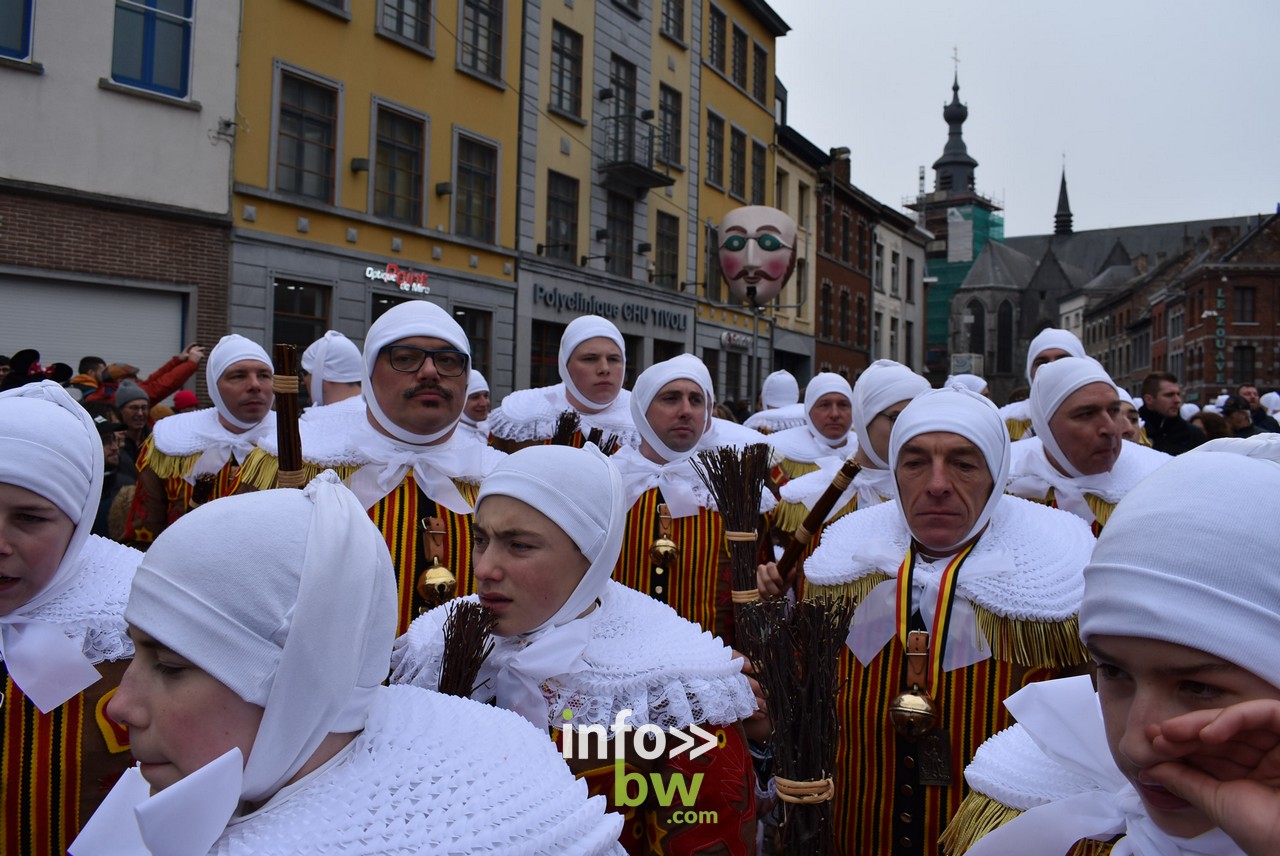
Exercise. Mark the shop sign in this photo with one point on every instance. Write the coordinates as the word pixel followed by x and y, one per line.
pixel 1220 336
pixel 735 341
pixel 407 279
pixel 583 304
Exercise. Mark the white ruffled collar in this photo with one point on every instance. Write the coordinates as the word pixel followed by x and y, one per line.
pixel 1031 475
pixel 531 414
pixel 641 656
pixel 799 445
pixel 777 419
pixel 1037 557
pixel 1055 767
pixel 199 431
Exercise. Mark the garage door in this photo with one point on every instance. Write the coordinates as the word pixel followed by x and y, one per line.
pixel 65 322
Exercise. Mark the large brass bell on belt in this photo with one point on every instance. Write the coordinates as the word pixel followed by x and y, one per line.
pixel 913 713
pixel 437 583
pixel 663 552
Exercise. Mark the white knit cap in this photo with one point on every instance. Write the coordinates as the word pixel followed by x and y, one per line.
pixel 232 349
pixel 823 383
pixel 332 357
pixel 580 490
pixel 1054 383
pixel 651 382
pixel 957 410
pixel 404 321
pixel 1052 337
pixel 476 383
pixel 581 329
pixel 883 384
pixel 49 446
pixel 1188 410
pixel 779 389
pixel 968 381
pixel 1188 557
pixel 288 598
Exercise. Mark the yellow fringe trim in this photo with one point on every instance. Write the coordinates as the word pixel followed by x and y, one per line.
pixel 1017 427
pixel 788 515
pixel 1034 644
pixel 1143 439
pixel 171 466
pixel 1100 507
pixel 794 469
pixel 979 814
pixel 260 469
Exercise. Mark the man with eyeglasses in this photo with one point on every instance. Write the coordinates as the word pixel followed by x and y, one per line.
pixel 401 454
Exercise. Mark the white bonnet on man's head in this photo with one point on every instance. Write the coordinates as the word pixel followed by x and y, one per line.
pixel 476 383
pixel 779 389
pixel 332 357
pixel 650 383
pixel 1054 384
pixel 581 329
pixel 1188 557
pixel 230 350
pixel 1050 338
pixel 957 410
pixel 883 384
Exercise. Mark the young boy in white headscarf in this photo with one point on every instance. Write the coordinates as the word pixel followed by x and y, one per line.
pixel 333 372
pixel 593 364
pixel 1174 754
pixel 882 391
pixel 576 650
pixel 63 645
pixel 204 447
pixel 1049 344
pixel 963 595
pixel 666 499
pixel 257 713
pixel 1077 460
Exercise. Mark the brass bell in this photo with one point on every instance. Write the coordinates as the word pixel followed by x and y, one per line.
pixel 913 713
pixel 437 583
pixel 663 552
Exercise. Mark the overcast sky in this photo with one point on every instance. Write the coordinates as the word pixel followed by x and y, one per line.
pixel 1166 110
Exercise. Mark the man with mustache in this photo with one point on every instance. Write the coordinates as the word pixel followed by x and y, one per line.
pixel 192 458
pixel 1077 460
pixel 964 594
pixel 401 455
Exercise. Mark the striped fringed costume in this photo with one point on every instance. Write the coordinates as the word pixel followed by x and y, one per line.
pixel 697 586
pixel 163 495
pixel 1017 418
pixel 399 516
pixel 1023 582
pixel 58 766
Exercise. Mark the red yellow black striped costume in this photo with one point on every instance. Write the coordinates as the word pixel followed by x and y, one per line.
pixel 56 767
pixel 162 494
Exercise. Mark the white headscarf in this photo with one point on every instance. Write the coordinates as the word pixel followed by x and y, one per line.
pixel 581 492
pixel 49 446
pixel 1052 337
pixel 476 383
pixel 406 320
pixel 1188 410
pixel 968 381
pixel 676 478
pixel 332 357
pixel 823 383
pixel 957 410
pixel 778 390
pixel 1053 385
pixel 1203 560
pixel 295 613
pixel 231 349
pixel 1271 401
pixel 882 385
pixel 581 329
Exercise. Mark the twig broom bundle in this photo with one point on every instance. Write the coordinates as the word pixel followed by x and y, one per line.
pixel 468 639
pixel 795 649
pixel 735 477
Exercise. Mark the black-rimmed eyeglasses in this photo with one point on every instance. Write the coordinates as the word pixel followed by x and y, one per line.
pixel 407 359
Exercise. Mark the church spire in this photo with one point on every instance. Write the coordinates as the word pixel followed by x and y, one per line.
pixel 953 172
pixel 1062 219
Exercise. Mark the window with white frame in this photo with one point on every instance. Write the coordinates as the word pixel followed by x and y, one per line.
pixel 480 40
pixel 15 28
pixel 475 194
pixel 407 19
pixel 151 46
pixel 306 141
pixel 398 173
